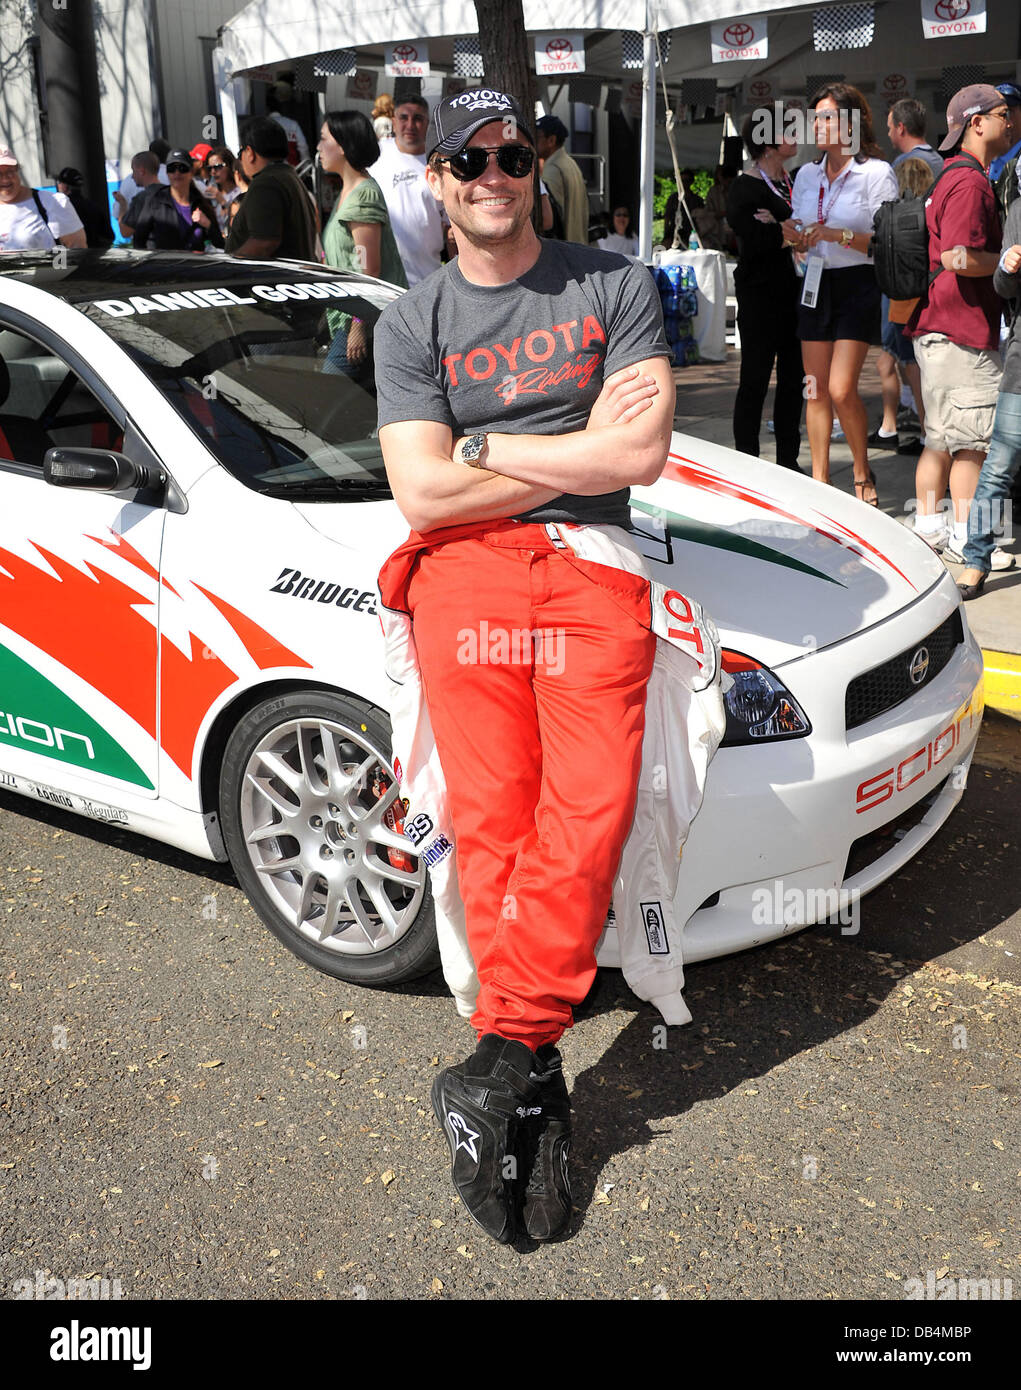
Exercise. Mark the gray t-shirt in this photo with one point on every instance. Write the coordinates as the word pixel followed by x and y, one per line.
pixel 524 358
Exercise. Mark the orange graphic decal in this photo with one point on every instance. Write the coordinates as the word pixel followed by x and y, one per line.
pixel 264 650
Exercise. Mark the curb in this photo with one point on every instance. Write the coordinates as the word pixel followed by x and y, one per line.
pixel 1003 682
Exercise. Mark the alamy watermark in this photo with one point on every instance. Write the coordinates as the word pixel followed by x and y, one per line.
pixel 800 907
pixel 933 1289
pixel 47 1286
pixel 775 125
pixel 512 646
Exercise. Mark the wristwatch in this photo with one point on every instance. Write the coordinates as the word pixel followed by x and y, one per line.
pixel 846 237
pixel 471 450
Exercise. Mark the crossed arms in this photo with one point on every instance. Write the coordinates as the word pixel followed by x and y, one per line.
pixel 625 442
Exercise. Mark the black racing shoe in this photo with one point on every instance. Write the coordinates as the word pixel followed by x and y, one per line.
pixel 479 1105
pixel 546 1204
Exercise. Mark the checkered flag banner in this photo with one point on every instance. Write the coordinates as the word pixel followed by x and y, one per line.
pixel 698 91
pixel 305 80
pixel 843 26
pixel 338 62
pixel 587 90
pixel 467 57
pixel 815 80
pixel 631 49
pixel 952 79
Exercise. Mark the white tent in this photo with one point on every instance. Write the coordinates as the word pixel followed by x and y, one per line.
pixel 271 33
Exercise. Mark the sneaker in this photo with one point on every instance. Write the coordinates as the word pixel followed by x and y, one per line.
pixel 950 552
pixel 836 433
pixel 935 540
pixel 884 441
pixel 546 1143
pixel 911 446
pixel 1001 560
pixel 479 1105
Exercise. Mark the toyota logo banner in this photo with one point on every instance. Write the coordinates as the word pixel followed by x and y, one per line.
pixel 947 19
pixel 736 39
pixel 557 54
pixel 408 58
pixel 894 85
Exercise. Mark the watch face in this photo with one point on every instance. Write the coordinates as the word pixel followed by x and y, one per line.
pixel 473 447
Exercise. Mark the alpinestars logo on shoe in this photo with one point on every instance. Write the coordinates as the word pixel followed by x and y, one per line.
pixel 464 1135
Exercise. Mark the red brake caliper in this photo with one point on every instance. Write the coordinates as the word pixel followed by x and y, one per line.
pixel 393 819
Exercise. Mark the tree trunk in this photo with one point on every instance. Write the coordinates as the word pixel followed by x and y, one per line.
pixel 506 54
pixel 507 64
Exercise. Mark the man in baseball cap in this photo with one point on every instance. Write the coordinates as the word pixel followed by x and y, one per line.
pixel 1003 170
pixel 980 99
pixel 30 219
pixel 496 419
pixel 956 327
pixel 456 119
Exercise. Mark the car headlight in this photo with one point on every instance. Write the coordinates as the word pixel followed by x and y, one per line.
pixel 759 706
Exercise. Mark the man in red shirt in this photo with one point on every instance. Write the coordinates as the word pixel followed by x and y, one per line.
pixel 956 330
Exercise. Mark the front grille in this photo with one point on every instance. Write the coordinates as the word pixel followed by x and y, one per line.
pixel 880 689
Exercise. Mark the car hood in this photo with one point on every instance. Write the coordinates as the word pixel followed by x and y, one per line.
pixel 785 565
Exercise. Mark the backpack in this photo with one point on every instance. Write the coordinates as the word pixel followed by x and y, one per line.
pixel 900 243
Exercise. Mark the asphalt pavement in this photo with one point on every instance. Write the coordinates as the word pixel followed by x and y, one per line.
pixel 189 1110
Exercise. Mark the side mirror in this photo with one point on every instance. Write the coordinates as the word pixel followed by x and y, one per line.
pixel 99 470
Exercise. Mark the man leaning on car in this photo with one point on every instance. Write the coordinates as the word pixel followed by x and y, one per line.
pixel 482 456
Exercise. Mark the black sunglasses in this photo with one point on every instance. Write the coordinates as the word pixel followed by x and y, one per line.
pixel 178 168
pixel 516 161
pixel 213 167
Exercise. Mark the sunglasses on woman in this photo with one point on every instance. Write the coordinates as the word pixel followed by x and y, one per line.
pixel 213 168
pixel 516 161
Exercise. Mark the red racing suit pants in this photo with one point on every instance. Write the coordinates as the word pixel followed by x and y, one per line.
pixel 535 674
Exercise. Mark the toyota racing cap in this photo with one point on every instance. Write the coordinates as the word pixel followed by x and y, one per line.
pixel 456 119
pixel 976 100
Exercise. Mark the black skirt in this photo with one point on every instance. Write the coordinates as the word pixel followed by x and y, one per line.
pixel 847 307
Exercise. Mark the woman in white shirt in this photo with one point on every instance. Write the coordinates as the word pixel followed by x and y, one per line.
pixel 835 200
pixel 622 238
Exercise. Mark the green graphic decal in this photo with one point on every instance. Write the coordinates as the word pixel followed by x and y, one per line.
pixel 683 528
pixel 36 716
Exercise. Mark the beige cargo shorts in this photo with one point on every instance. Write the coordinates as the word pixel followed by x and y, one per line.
pixel 959 390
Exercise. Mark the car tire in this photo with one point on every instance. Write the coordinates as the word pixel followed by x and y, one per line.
pixel 314 829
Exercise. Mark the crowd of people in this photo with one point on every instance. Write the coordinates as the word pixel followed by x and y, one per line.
pixel 809 302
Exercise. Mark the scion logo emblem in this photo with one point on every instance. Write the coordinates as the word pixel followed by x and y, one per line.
pixel 559 48
pixel 464 1135
pixel 952 9
pixel 405 52
pixel 919 666
pixel 738 35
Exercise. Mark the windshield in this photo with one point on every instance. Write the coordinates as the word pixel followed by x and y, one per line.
pixel 276 375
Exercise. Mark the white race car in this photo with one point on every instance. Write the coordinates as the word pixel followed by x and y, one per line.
pixel 193 512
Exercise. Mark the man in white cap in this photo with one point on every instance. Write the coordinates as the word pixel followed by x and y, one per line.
pixel 31 220
pixel 956 327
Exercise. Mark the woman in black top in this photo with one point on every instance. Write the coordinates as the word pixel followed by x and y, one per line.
pixel 175 217
pixel 767 287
